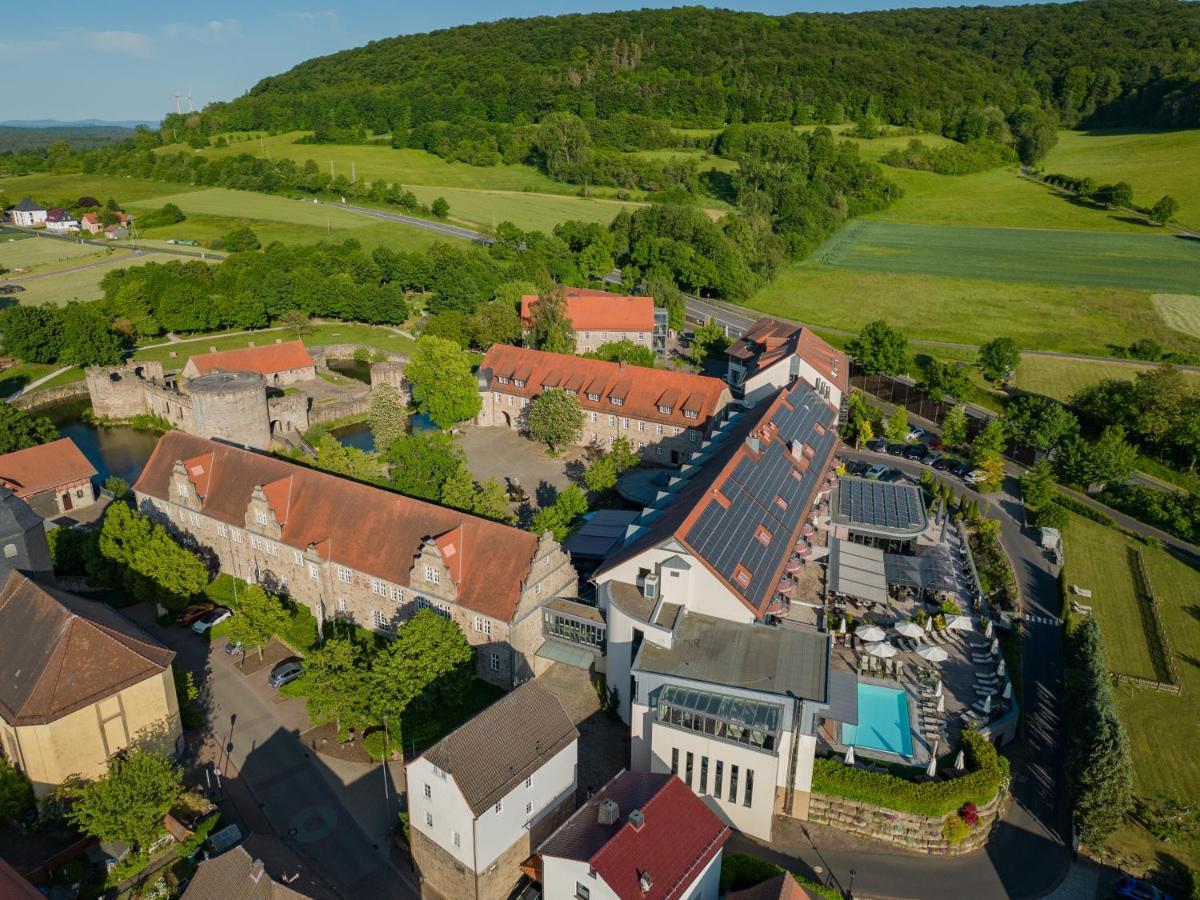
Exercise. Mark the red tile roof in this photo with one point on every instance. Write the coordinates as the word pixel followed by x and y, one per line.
pixel 591 310
pixel 14 887
pixel 679 836
pixel 60 653
pixel 44 467
pixel 266 360
pixel 365 528
pixel 770 340
pixel 642 390
pixel 782 887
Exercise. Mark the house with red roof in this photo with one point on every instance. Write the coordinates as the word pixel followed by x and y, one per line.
pixel 643 836
pixel 54 478
pixel 282 364
pixel 353 551
pixel 599 317
pixel 665 414
pixel 772 353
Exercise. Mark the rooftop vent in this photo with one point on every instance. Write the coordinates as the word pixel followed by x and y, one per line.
pixel 256 870
pixel 645 881
pixel 650 587
pixel 637 819
pixel 609 812
pixel 754 444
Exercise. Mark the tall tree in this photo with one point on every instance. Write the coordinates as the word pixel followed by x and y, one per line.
pixel 879 348
pixel 896 426
pixel 388 415
pixel 1164 210
pixel 944 379
pixel 336 684
pixel 555 418
pixel 128 802
pixel 708 341
pixel 491 502
pixel 458 490
pixel 19 429
pixel 551 329
pixel 16 793
pixel 32 333
pixel 422 462
pixel 1039 422
pixel 259 616
pixel 334 456
pixel 954 427
pixel 148 561
pixel 443 384
pixel 991 440
pixel 998 358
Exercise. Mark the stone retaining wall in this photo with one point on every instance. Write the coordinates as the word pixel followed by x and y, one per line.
pixel 340 410
pixel 324 352
pixel 920 834
pixel 40 399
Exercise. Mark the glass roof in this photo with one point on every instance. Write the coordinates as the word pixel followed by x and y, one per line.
pixel 764 717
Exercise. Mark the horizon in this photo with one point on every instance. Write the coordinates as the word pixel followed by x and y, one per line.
pixel 251 44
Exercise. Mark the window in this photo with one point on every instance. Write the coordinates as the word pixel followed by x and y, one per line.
pixel 537 588
pixel 313 571
pixel 518 382
pixel 378 619
pixel 183 490
pixel 693 436
pixel 612 421
pixel 688 768
pixel 344 575
pixel 575 630
pixel 781 503
pixel 676 431
pixel 528 808
pixel 432 575
pixel 236 536
pixel 691 414
pixel 341 604
pixel 581 892
pixel 378 587
pixel 194 519
pixel 79 492
pixel 742 576
pixel 717 779
pixel 641 426
pixel 483 626
pixel 593 397
pixel 503 379
pixel 428 820
pixel 396 593
pixel 499 806
pixel 624 423
pixel 616 401
pixel 658 429
pixel 658 451
pixel 666 410
pixel 222 529
pixel 428 792
pixel 455 838
pixel 762 534
pixel 495 662
pixel 510 400
pixel 674 760
pixel 260 516
pixel 528 782
pixel 749 787
pixel 271 548
pixel 704 774
pixel 587 335
pixel 642 336
pixel 297 558
pixel 733 773
pixel 255 541
pixel 592 417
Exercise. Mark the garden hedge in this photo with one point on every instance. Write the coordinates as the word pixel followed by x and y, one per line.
pixel 987 772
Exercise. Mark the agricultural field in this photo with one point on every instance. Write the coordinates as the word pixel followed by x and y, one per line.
pixel 1133 262
pixel 1179 311
pixel 19 251
pixel 75 282
pixel 1062 378
pixel 529 211
pixel 970 311
pixel 51 188
pixel 1154 162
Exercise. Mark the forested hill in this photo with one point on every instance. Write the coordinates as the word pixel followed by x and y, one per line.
pixel 1099 61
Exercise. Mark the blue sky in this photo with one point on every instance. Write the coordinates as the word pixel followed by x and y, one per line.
pixel 125 59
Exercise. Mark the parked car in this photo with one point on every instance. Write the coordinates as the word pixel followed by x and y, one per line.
pixel 891 476
pixel 233 648
pixel 944 463
pixel 916 433
pixel 190 614
pixel 879 445
pixel 855 467
pixel 976 476
pixel 931 457
pixel 285 672
pixel 876 471
pixel 1129 886
pixel 916 452
pixel 896 449
pixel 211 618
pixel 961 468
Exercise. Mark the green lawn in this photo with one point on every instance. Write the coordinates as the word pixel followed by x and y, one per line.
pixel 1154 162
pixel 53 188
pixel 532 212
pixel 972 311
pixel 15 378
pixel 28 253
pixel 1063 378
pixel 1092 259
pixel 84 284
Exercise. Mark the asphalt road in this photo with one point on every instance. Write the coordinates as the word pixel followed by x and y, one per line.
pixel 1029 853
pixel 440 227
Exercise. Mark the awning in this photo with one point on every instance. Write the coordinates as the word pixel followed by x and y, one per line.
pixel 567 654
pixel 857 571
pixel 931 569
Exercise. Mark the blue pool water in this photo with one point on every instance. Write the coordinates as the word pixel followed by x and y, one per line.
pixel 882 721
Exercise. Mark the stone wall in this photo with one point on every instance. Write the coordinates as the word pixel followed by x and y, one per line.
pixel 919 834
pixel 50 396
pixel 342 409
pixel 322 354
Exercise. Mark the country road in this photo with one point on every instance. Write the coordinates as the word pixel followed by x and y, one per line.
pixel 440 227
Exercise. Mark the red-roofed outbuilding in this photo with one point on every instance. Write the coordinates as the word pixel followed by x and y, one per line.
pixel 599 317
pixel 53 478
pixel 281 364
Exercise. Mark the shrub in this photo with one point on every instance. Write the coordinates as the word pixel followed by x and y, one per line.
pixel 377 745
pixel 987 772
pixel 955 830
pixel 741 870
pixel 969 814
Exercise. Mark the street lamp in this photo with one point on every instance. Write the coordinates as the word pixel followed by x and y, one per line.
pixel 850 890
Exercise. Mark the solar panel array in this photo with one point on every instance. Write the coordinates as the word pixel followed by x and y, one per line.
pixel 728 537
pixel 880 504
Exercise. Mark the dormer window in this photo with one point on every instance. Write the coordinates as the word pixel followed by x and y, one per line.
pixel 763 535
pixel 781 503
pixel 547 387
pixel 741 575
pixel 503 379
pixel 593 397
pixel 615 401
pixel 519 382
pixel 691 414
pixel 569 392
pixel 666 410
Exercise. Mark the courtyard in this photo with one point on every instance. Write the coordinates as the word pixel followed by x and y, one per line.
pixel 515 460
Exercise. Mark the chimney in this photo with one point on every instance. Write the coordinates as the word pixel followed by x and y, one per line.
pixel 637 819
pixel 645 881
pixel 622 364
pixel 257 870
pixel 609 812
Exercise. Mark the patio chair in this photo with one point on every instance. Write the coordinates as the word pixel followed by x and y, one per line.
pixel 978 707
pixel 982 691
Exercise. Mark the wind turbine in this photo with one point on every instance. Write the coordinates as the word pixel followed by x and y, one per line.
pixel 177 110
pixel 189 100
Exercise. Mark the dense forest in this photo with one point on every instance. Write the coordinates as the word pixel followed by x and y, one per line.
pixel 79 136
pixel 1094 62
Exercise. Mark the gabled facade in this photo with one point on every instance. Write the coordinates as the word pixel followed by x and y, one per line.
pixel 353 551
pixel 60 221
pixel 281 364
pixel 771 354
pixel 28 214
pixel 54 478
pixel 482 798
pixel 599 317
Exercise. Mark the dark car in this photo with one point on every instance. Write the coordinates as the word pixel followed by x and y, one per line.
pixel 891 476
pixel 879 445
pixel 916 451
pixel 856 467
pixel 1128 886
pixel 286 672
pixel 896 449
pixel 961 468
pixel 944 463
pixel 190 614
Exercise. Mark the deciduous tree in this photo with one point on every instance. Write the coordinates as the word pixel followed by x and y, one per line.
pixel 708 340
pixel 1164 210
pixel 259 616
pixel 19 429
pixel 998 358
pixel 422 462
pixel 944 379
pixel 443 384
pixel 388 415
pixel 551 328
pixel 954 427
pixel 128 802
pixel 1039 422
pixel 555 418
pixel 896 426
pixel 879 348
pixel 334 456
pixel 16 793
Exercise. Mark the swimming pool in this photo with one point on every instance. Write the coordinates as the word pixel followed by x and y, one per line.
pixel 882 721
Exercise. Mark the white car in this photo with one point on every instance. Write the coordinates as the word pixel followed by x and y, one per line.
pixel 915 434
pixel 209 619
pixel 975 476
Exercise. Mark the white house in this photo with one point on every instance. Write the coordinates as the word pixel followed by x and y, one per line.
pixel 28 214
pixel 60 221
pixel 643 836
pixel 482 798
pixel 773 353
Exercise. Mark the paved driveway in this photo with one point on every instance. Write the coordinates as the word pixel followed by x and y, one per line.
pixel 504 454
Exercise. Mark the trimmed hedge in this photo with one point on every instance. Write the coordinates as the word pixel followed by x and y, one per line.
pixel 741 870
pixel 1086 511
pixel 987 772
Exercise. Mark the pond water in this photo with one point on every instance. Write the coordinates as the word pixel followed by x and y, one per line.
pixel 118 450
pixel 359 434
pixel 359 370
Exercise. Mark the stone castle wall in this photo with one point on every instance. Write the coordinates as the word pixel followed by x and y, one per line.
pixel 51 396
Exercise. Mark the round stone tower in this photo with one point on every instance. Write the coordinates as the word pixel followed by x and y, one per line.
pixel 231 406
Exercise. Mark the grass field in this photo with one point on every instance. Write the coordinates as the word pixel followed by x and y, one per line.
pixel 1062 378
pixel 14 378
pixel 61 187
pixel 1154 162
pixel 83 284
pixel 26 253
pixel 926 307
pixel 532 212
pixel 1044 256
pixel 1179 311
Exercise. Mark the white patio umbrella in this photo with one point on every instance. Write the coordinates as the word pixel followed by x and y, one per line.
pixel 910 630
pixel 932 653
pixel 1001 669
pixel 842 629
pixel 929 624
pixel 850 756
pixel 1007 692
pixel 869 633
pixel 941 704
pixel 931 769
pixel 883 650
pixel 995 648
pixel 940 689
pixel 987 629
pixel 960 761
pixel 960 623
pixel 987 705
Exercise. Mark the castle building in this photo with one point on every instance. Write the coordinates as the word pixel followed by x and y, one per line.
pixel 54 478
pixel 281 365
pixel 357 552
pixel 23 544
pixel 599 317
pixel 771 354
pixel 664 414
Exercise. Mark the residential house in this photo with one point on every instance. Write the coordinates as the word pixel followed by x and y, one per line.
pixel 90 222
pixel 78 684
pixel 60 221
pixel 116 232
pixel 260 868
pixel 599 317
pixel 28 214
pixel 643 836
pixel 357 552
pixel 663 413
pixel 23 543
pixel 54 478
pixel 771 354
pixel 281 364
pixel 482 798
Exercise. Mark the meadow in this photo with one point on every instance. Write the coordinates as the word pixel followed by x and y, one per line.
pixel 1063 378
pixel 1045 256
pixel 529 211
pixel 17 251
pixel 1154 162
pixel 75 284
pixel 54 188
